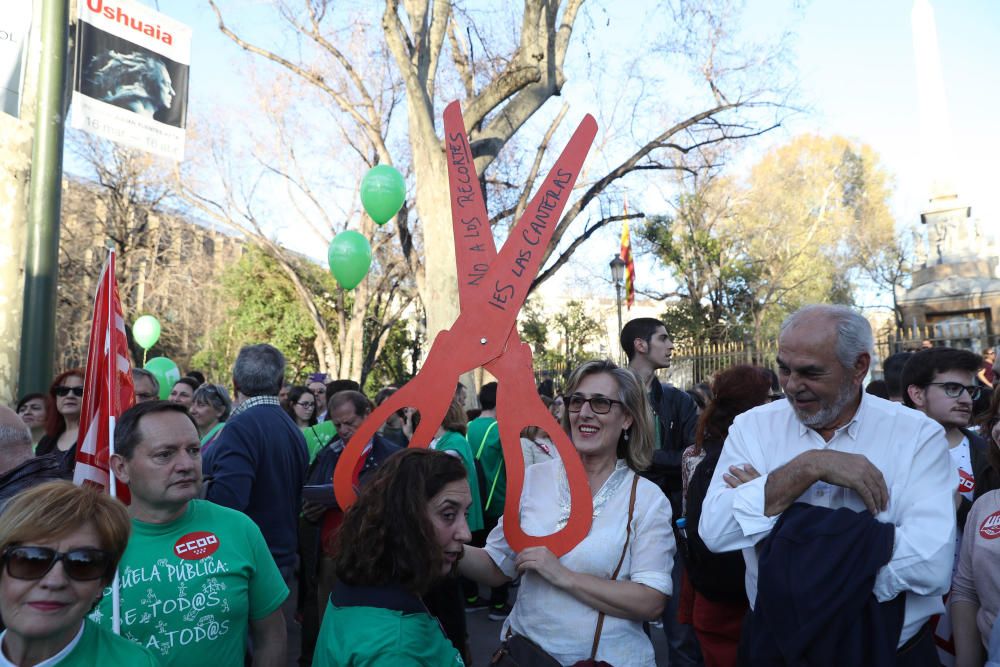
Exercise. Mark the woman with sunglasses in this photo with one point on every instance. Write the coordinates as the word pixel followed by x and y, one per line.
pixel 572 605
pixel 62 413
pixel 210 408
pixel 975 594
pixel 60 544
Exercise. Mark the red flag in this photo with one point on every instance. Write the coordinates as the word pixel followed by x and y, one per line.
pixel 626 254
pixel 107 388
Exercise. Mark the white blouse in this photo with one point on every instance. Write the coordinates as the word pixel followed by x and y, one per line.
pixel 552 617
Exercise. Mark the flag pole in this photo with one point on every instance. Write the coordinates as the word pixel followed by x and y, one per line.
pixel 112 482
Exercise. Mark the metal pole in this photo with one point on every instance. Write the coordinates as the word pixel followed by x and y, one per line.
pixel 618 298
pixel 41 268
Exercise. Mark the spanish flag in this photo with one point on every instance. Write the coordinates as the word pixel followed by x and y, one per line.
pixel 626 254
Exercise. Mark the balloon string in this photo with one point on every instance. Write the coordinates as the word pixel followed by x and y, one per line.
pixel 144 351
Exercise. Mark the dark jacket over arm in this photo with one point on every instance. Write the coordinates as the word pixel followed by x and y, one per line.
pixel 815 602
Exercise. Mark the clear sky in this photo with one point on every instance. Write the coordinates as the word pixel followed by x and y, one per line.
pixel 855 65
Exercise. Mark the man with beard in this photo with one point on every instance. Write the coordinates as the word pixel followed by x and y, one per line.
pixel 831 445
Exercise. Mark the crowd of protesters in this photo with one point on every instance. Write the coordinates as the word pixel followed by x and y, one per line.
pixel 759 518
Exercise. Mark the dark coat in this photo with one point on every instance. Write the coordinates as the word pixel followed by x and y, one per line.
pixel 321 469
pixel 815 604
pixel 676 417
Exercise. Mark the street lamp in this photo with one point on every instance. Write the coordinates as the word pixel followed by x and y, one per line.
pixel 618 276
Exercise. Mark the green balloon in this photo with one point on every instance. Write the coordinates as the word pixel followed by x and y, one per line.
pixel 146 331
pixel 350 258
pixel 166 373
pixel 383 192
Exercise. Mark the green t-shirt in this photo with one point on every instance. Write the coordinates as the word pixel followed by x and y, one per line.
pixel 318 437
pixel 98 646
pixel 456 442
pixel 377 637
pixel 190 588
pixel 484 438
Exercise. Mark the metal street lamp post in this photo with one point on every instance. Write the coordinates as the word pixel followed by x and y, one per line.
pixel 618 276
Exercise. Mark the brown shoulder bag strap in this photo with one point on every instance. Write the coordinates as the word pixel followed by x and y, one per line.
pixel 628 535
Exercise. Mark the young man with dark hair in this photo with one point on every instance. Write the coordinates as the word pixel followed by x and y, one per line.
pixel 940 382
pixel 648 347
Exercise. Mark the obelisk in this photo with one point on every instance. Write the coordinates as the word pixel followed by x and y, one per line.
pixel 945 216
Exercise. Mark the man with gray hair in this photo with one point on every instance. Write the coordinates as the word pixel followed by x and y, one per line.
pixel 258 463
pixel 19 467
pixel 145 385
pixel 830 445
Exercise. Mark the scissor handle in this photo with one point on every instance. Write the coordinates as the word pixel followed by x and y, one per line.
pixel 519 406
pixel 430 392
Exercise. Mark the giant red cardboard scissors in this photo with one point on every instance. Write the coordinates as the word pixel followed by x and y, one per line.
pixel 492 287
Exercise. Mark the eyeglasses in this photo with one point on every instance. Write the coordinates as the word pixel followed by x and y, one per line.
pixel 65 391
pixel 31 563
pixel 600 405
pixel 306 406
pixel 954 389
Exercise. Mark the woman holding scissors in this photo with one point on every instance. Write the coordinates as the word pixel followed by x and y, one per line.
pixel 592 601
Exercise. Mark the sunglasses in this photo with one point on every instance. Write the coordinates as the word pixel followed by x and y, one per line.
pixel 600 405
pixel 33 563
pixel 66 391
pixel 954 389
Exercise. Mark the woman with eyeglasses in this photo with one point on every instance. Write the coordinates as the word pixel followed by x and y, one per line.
pixel 60 544
pixel 303 407
pixel 62 420
pixel 975 594
pixel 591 602
pixel 210 408
pixel 31 410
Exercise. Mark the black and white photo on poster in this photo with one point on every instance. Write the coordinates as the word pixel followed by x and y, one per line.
pixel 131 75
pixel 116 71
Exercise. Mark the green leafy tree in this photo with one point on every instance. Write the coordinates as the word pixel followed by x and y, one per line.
pixel 577 331
pixel 264 308
pixel 809 222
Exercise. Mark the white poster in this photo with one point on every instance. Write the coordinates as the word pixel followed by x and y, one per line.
pixel 15 21
pixel 131 76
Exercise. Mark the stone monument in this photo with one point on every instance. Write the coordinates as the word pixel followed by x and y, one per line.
pixel 955 293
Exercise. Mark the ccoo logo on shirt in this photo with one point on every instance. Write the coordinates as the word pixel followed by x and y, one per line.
pixel 990 529
pixel 197 545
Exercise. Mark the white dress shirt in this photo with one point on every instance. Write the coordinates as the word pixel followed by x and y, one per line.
pixel 553 618
pixel 906 446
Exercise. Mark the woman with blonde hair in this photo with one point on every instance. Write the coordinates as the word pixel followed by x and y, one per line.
pixel 592 601
pixel 60 545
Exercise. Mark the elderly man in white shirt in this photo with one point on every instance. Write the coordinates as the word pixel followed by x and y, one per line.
pixel 830 444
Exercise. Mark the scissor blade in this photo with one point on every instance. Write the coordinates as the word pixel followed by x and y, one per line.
pixel 474 246
pixel 515 267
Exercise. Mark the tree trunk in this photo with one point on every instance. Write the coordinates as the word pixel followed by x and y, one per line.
pixel 439 289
